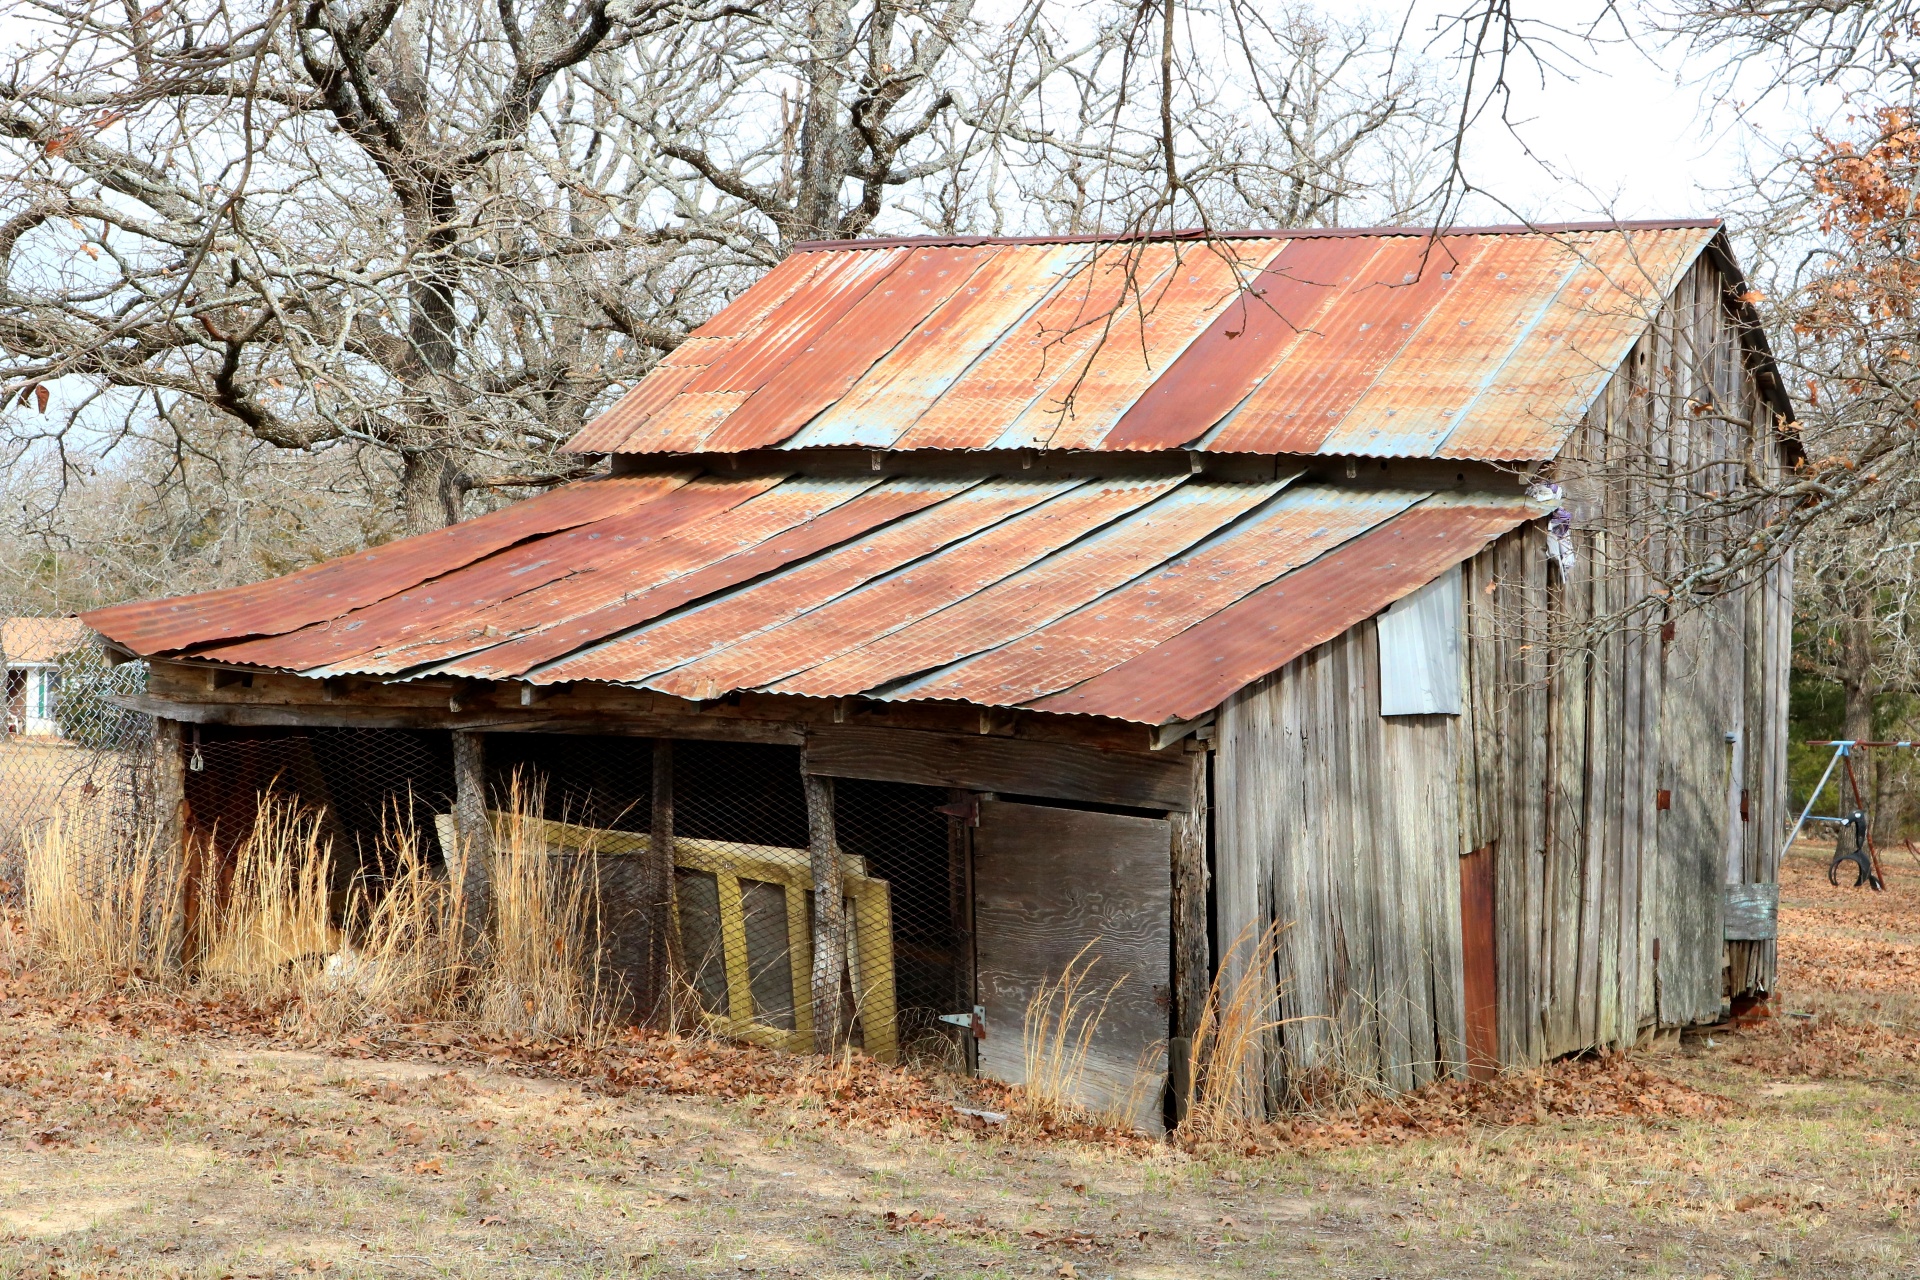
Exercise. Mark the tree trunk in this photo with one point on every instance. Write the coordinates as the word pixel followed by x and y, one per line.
pixel 829 916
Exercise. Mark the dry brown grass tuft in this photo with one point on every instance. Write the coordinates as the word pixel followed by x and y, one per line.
pixel 262 926
pixel 1227 1083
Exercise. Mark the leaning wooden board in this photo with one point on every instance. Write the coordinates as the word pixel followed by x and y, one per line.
pixel 1049 882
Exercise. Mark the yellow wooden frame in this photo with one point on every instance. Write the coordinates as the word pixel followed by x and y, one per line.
pixel 869 941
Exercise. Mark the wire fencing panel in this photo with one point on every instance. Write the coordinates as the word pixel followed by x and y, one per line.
pixel 369 789
pixel 742 888
pixel 68 751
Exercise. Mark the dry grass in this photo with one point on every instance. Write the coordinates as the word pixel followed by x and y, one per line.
pixel 1056 1037
pixel 95 921
pixel 1227 1083
pixel 137 1141
pixel 541 971
pixel 262 925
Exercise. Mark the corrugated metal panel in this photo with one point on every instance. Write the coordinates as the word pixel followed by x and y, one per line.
pixel 1386 343
pixel 829 366
pixel 616 567
pixel 1146 335
pixel 1352 343
pixel 1246 339
pixel 734 617
pixel 360 639
pixel 331 589
pixel 1470 327
pixel 749 313
pixel 1300 525
pixel 686 423
pixel 1053 587
pixel 872 509
pixel 1036 352
pixel 1230 649
pixel 915 591
pixel 1127 597
pixel 1559 364
pixel 885 403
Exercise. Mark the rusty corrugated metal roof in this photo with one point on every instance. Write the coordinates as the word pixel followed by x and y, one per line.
pixel 1485 343
pixel 1138 597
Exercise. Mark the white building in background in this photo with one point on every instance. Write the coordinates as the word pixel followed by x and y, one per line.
pixel 33 648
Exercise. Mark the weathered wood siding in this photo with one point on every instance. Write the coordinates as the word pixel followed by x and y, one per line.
pixel 1602 753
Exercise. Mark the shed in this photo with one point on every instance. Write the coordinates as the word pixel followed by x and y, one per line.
pixel 957 611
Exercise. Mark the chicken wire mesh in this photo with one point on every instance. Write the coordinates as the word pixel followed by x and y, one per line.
pixel 68 751
pixel 742 899
pixel 365 787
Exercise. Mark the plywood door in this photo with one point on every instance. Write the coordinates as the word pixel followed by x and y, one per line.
pixel 1479 972
pixel 1050 884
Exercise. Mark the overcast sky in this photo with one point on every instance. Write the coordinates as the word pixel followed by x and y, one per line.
pixel 1635 132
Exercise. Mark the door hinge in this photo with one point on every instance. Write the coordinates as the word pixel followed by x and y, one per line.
pixel 975 1022
pixel 968 811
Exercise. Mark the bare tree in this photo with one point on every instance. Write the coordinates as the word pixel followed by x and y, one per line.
pixel 438 237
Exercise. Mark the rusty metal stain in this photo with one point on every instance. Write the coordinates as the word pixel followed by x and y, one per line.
pixel 829 366
pixel 1299 525
pixel 360 637
pixel 1322 374
pixel 331 589
pixel 1561 364
pixel 1033 597
pixel 871 509
pixel 1417 399
pixel 886 403
pixel 1208 663
pixel 748 314
pixel 1248 337
pixel 1035 352
pixel 1047 351
pixel 685 423
pixel 616 568
pixel 1146 337
pixel 894 600
pixel 731 618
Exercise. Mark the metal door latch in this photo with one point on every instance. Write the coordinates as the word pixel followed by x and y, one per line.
pixel 975 1022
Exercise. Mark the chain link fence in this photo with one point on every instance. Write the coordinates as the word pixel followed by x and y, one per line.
pixel 68 751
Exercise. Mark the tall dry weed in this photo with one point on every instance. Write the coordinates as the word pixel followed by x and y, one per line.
pixel 265 925
pixel 1227 1077
pixel 267 915
pixel 543 971
pixel 1056 1037
pixel 96 912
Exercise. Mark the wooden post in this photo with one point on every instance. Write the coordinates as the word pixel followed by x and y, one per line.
pixel 652 982
pixel 829 915
pixel 960 911
pixel 470 862
pixel 170 834
pixel 1192 957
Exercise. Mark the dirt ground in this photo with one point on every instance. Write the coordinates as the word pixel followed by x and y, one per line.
pixel 146 1146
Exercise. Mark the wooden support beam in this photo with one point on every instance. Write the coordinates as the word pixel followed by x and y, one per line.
pixel 470 861
pixel 654 974
pixel 1191 953
pixel 1013 766
pixel 170 832
pixel 829 915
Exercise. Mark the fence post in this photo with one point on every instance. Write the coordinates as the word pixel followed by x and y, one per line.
pixel 170 834
pixel 829 914
pixel 470 862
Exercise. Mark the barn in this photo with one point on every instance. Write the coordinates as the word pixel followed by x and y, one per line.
pixel 957 616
